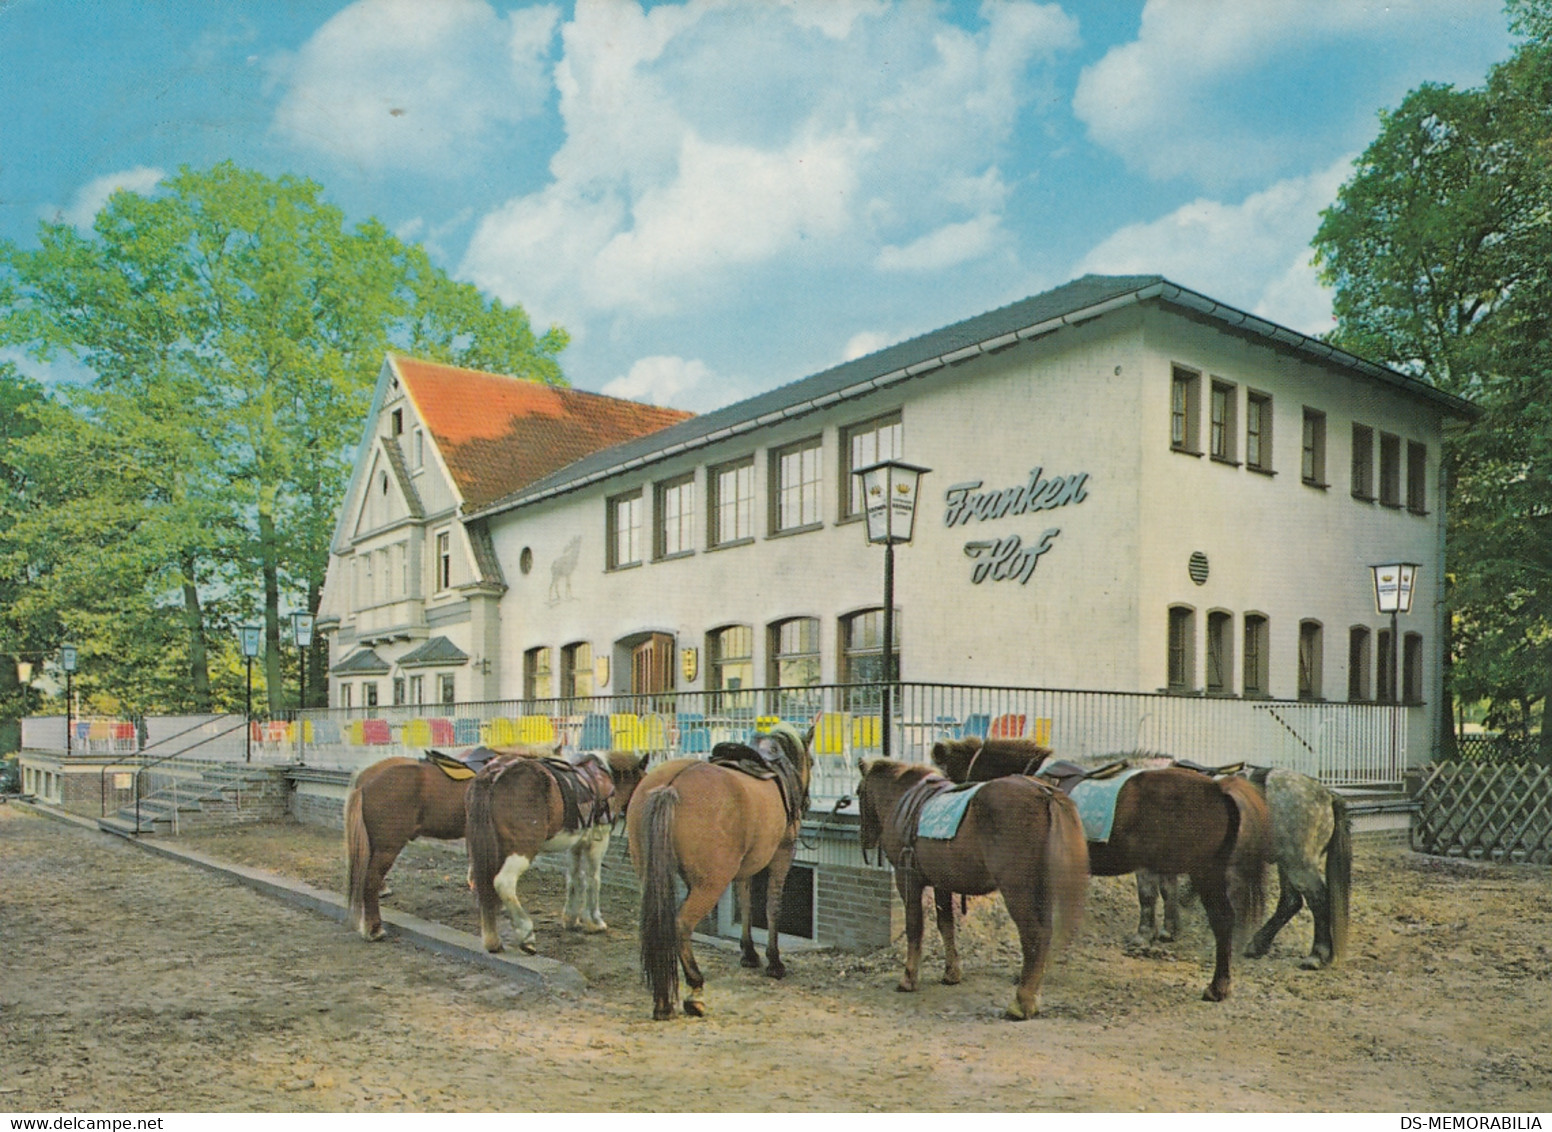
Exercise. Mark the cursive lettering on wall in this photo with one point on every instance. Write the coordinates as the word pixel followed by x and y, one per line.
pixel 1008 559
pixel 965 502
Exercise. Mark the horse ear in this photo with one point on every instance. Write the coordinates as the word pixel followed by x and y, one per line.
pixel 939 752
pixel 560 745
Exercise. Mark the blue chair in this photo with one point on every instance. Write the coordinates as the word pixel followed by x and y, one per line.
pixel 978 724
pixel 694 738
pixel 326 732
pixel 595 733
pixel 466 732
pixel 947 727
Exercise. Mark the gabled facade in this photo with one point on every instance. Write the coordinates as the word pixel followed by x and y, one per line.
pixel 411 603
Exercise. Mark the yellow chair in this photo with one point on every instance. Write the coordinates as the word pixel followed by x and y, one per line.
pixel 766 722
pixel 625 732
pixel 653 734
pixel 866 733
pixel 1042 734
pixel 830 733
pixel 353 734
pixel 417 733
pixel 535 730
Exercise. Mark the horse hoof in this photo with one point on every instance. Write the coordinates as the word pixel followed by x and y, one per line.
pixel 494 948
pixel 1016 1013
pixel 1214 994
pixel 385 894
pixel 529 947
pixel 1256 950
pixel 776 970
pixel 376 934
pixel 594 927
pixel 951 978
pixel 906 988
pixel 1312 963
pixel 695 1008
pixel 662 1014
pixel 749 959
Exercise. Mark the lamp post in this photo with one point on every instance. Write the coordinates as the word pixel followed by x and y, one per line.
pixel 249 635
pixel 1393 585
pixel 302 630
pixel 889 503
pixel 67 661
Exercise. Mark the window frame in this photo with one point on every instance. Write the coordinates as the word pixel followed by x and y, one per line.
pixel 1255 676
pixel 776 658
pixel 447 689
pixel 613 529
pixel 849 505
pixel 1390 471
pixel 1258 409
pixel 1416 477
pixel 1312 461
pixel 673 502
pixel 538 671
pixel 1220 650
pixel 1411 669
pixel 573 676
pixel 444 560
pixel 809 490
pixel 1180 650
pixel 1363 463
pixel 1185 410
pixel 1311 661
pixel 1222 427
pixel 1360 667
pixel 718 662
pixel 742 504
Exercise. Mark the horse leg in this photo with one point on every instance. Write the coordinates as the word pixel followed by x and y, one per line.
pixel 697 905
pixel 1169 889
pixel 945 902
pixel 915 921
pixel 382 860
pixel 596 846
pixel 512 871
pixel 1307 881
pixel 1148 885
pixel 1213 888
pixel 1035 932
pixel 749 956
pixel 775 882
pixel 1288 904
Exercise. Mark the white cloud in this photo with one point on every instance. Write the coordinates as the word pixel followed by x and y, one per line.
pixel 1254 254
pixel 669 381
pixel 1188 97
pixel 865 342
pixel 90 197
pixel 421 84
pixel 699 149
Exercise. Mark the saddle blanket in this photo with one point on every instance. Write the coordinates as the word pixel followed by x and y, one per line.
pixel 1096 802
pixel 941 816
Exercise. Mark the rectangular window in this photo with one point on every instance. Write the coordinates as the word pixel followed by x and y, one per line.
pixel 675 504
pixel 384 577
pixel 1309 660
pixel 1313 467
pixel 730 661
pixel 625 530
pixel 1220 654
pixel 1256 656
pixel 1258 432
pixel 1184 409
pixel 398 691
pixel 1225 398
pixel 795 652
pixel 861 445
pixel 417 690
pixel 369 693
pixel 1182 649
pixel 1358 664
pixel 344 695
pixel 1412 668
pixel 538 684
pixel 1384 686
pixel 1417 478
pixel 1390 470
pixel 796 476
pixel 446 690
pixel 576 669
pixel 444 560
pixel 398 422
pixel 420 449
pixel 1363 463
pixel 732 502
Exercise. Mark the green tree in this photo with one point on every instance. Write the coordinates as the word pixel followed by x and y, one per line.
pixel 1439 248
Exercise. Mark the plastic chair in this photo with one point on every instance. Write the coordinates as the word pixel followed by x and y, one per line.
pixel 466 732
pixel 417 733
pixel 1042 733
pixel 625 731
pixel 652 734
pixel 325 732
pixel 376 732
pixel 1008 726
pixel 501 732
pixel 694 736
pixel 977 724
pixel 866 733
pixel 830 733
pixel 442 734
pixel 595 733
pixel 947 727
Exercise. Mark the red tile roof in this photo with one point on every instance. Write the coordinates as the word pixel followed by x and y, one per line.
pixel 498 434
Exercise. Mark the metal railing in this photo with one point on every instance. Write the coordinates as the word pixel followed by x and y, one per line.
pixel 1340 743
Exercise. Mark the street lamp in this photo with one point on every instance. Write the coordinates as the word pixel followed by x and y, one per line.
pixel 1393 585
pixel 889 504
pixel 302 630
pixel 249 635
pixel 67 661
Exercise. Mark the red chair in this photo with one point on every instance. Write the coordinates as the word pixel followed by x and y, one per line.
pixel 442 733
pixel 1007 727
pixel 376 732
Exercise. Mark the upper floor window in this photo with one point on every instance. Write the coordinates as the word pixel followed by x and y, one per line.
pixel 1384 678
pixel 1390 470
pixel 1363 462
pixel 1417 477
pixel 1184 410
pixel 861 445
pixel 796 475
pixel 538 681
pixel 398 691
pixel 675 501
pixel 417 690
pixel 344 695
pixel 1310 660
pixel 730 658
pixel 794 652
pixel 368 579
pixel 1222 427
pixel 1358 663
pixel 1256 656
pixel 1258 431
pixel 1412 668
pixel 576 669
pixel 624 534
pixel 732 502
pixel 1182 648
pixel 447 688
pixel 1220 654
pixel 1313 466
pixel 397 426
pixel 420 448
pixel 444 560
pixel 369 693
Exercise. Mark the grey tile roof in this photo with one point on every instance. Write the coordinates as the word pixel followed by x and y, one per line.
pixel 362 662
pixel 1078 301
pixel 438 650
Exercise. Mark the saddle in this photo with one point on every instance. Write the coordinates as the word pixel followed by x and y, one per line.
pixel 1065 776
pixel 461 767
pixel 907 814
pixel 585 787
pixel 1227 770
pixel 753 762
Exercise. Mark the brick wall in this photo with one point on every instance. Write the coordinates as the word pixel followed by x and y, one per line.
pixel 856 908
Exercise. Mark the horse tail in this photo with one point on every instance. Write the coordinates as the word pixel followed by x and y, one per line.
pixel 1339 873
pixel 358 853
pixel 1066 866
pixel 659 913
pixel 1252 846
pixel 484 843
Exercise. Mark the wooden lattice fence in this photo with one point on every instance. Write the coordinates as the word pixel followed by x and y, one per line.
pixel 1486 811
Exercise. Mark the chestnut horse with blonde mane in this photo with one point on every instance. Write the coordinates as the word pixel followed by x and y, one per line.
pixel 1018 836
pixel 390 804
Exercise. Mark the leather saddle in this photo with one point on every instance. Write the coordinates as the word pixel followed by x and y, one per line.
pixel 1065 776
pixel 461 767
pixel 745 759
pixel 585 790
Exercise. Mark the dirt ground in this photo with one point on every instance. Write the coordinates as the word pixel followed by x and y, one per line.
pixel 131 982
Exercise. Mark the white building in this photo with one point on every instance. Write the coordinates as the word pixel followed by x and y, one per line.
pixel 1133 488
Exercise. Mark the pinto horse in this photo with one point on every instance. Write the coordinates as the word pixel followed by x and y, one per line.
pixel 518 808
pixel 711 825
pixel 1018 836
pixel 1313 848
pixel 390 804
pixel 1169 820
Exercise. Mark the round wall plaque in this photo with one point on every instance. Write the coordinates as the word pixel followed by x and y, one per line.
pixel 525 560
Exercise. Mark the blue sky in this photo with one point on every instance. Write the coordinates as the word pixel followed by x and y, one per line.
pixel 721 196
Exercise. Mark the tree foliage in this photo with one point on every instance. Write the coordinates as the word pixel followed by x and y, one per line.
pixel 233 326
pixel 1440 251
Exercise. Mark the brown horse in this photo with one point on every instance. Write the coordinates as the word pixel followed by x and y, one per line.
pixel 390 804
pixel 518 808
pixel 712 825
pixel 1018 836
pixel 1167 819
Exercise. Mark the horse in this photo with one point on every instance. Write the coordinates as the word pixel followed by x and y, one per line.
pixel 1167 819
pixel 390 804
pixel 713 823
pixel 1312 847
pixel 518 808
pixel 1018 836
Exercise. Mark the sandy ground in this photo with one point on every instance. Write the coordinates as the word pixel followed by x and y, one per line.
pixel 131 982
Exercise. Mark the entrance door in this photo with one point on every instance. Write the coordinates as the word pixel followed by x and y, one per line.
pixel 652 666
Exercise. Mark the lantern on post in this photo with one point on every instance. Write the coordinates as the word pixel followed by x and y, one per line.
pixel 1393 585
pixel 889 491
pixel 302 630
pixel 249 635
pixel 67 661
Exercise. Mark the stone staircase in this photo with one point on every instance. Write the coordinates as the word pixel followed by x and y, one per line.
pixel 194 794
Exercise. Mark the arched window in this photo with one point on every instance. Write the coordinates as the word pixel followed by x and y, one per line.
pixel 1257 656
pixel 538 680
pixel 1412 668
pixel 794 652
pixel 1220 653
pixel 730 659
pixel 1310 660
pixel 1182 648
pixel 576 669
pixel 1358 663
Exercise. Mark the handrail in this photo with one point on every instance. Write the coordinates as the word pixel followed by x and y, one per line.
pixel 145 766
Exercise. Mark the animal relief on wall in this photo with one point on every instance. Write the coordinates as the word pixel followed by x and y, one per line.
pixel 561 569
pixel 1010 558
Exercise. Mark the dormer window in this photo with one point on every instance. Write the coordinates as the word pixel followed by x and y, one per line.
pixel 398 422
